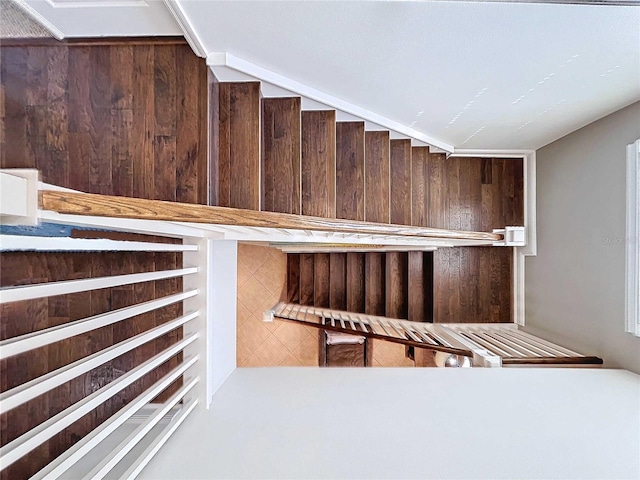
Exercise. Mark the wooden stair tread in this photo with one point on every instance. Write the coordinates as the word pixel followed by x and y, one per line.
pixel 355 282
pixel 374 283
pixel 338 281
pixel 321 280
pixel 400 177
pixel 306 279
pixel 396 284
pixel 319 163
pixel 281 155
pixel 377 177
pixel 350 170
pixel 238 159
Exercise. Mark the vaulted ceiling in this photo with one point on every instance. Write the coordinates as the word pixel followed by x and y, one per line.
pixel 471 74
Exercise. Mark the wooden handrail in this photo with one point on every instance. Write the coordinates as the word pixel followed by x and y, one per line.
pixel 137 208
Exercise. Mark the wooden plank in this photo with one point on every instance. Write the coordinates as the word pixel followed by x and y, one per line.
pixel 400 186
pixel 306 278
pixel 350 170
pixel 239 157
pixel 321 273
pixel 281 155
pixel 416 287
pixel 110 206
pixel 319 163
pixel 377 181
pixel 374 283
pixel 419 186
pixel 293 277
pixel 355 282
pixel 338 281
pixel 396 287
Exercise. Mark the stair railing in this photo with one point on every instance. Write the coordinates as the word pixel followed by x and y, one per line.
pixel 193 365
pixel 487 344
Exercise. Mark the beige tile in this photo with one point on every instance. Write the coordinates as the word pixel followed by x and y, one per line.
pixel 252 257
pixel 243 274
pixel 272 274
pixel 254 360
pixel 290 334
pixel 252 333
pixel 242 352
pixel 389 354
pixel 272 351
pixel 254 295
pixel 242 312
pixel 307 351
pixel 290 361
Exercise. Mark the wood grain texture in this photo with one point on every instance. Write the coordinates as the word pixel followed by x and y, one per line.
pixel 239 145
pixel 396 287
pixel 417 290
pixel 293 277
pixel 92 118
pixel 281 155
pixel 377 181
pixel 321 287
pixel 400 168
pixel 338 281
pixel 107 117
pixel 374 286
pixel 355 282
pixel 473 284
pixel 350 170
pixel 420 182
pixel 306 279
pixel 319 163
pixel 121 207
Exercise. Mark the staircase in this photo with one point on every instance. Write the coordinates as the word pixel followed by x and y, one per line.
pixel 391 284
pixel 269 154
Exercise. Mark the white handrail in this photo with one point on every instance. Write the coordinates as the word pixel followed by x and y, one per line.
pixel 39 290
pixel 30 390
pixel 24 343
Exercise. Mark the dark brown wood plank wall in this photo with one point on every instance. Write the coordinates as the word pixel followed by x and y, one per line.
pixel 338 281
pixel 103 117
pixel 238 158
pixel 396 287
pixel 350 170
pixel 319 163
pixel 281 155
pixel 376 159
pixel 306 279
pixel 473 284
pixel 400 161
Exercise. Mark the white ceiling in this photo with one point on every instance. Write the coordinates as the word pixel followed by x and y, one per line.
pixel 475 75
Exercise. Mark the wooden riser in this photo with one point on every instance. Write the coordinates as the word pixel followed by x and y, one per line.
pixel 393 284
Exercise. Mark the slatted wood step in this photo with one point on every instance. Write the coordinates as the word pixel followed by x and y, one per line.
pixel 350 170
pixel 319 163
pixel 236 168
pixel 281 155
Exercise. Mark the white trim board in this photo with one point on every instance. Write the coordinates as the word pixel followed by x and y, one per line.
pixel 38 18
pixel 224 59
pixel 190 34
pixel 632 277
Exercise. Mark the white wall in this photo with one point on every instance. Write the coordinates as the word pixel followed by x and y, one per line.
pixel 575 286
pixel 222 334
pixel 411 423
